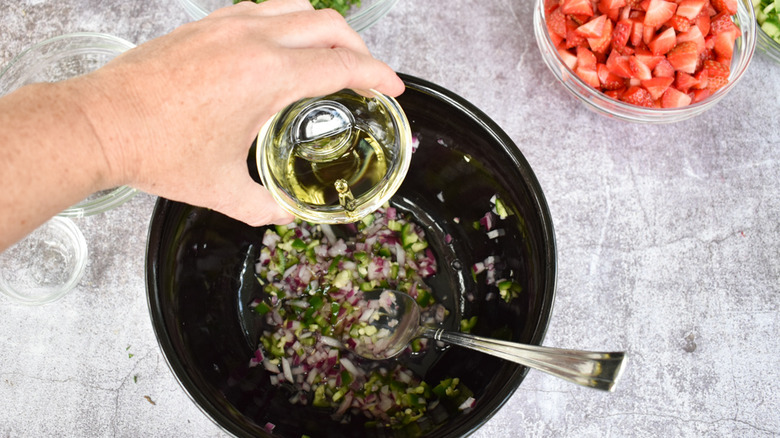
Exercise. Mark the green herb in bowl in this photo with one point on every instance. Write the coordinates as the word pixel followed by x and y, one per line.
pixel 342 6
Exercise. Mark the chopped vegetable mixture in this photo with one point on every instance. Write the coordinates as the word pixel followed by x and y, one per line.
pixel 768 17
pixel 313 283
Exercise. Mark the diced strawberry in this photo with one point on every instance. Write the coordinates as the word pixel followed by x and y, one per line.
pixel 580 18
pixel 651 53
pixel 695 36
pixel 615 94
pixel 702 79
pixel 684 82
pixel 568 58
pixel 637 31
pixel 722 60
pixel 679 23
pixel 577 7
pixel 589 75
pixel 611 4
pixel 648 33
pixel 556 40
pixel 638 69
pixel 729 6
pixel 621 33
pixel 573 38
pixel 586 59
pixel 716 69
pixel 657 86
pixel 618 65
pixel 609 80
pixel 715 84
pixel 573 41
pixel 690 9
pixel 556 23
pixel 658 12
pixel 647 57
pixel 636 95
pixel 706 55
pixel 722 23
pixel 703 23
pixel 613 14
pixel 601 44
pixel 625 13
pixel 724 44
pixel 699 95
pixel 674 98
pixel 709 42
pixel 664 42
pixel 684 57
pixel 593 28
pixel 663 69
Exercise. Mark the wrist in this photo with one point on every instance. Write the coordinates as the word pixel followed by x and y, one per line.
pixel 108 114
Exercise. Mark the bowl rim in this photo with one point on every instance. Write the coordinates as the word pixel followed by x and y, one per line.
pixel 599 102
pixel 87 41
pixel 549 272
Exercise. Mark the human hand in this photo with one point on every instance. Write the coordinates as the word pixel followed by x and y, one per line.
pixel 176 116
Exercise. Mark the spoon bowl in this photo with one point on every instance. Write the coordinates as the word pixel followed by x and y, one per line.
pixel 395 316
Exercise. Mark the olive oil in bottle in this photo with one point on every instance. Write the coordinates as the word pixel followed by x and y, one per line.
pixel 341 180
pixel 336 158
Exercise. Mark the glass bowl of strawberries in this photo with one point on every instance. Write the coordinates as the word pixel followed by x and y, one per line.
pixel 647 61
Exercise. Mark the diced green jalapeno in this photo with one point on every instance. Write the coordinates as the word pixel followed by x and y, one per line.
pixel 262 308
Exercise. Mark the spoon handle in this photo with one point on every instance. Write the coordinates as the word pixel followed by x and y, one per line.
pixel 586 368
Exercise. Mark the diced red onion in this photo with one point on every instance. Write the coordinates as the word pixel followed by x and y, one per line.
pixel 286 370
pixel 468 403
pixel 332 342
pixel 487 221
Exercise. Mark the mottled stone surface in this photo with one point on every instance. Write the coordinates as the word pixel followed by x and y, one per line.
pixel 667 244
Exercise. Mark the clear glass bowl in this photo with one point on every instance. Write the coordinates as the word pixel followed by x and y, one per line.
pixel 360 17
pixel 767 45
pixel 45 265
pixel 61 58
pixel 602 104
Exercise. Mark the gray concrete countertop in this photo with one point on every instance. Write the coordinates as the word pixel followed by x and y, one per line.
pixel 668 244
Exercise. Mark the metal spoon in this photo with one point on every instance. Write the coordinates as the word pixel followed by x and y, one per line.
pixel 396 317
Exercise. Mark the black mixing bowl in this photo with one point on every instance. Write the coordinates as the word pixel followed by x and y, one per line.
pixel 200 280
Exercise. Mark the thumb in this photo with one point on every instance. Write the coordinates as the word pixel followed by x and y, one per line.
pixel 251 203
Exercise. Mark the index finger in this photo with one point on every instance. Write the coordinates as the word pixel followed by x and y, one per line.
pixel 338 68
